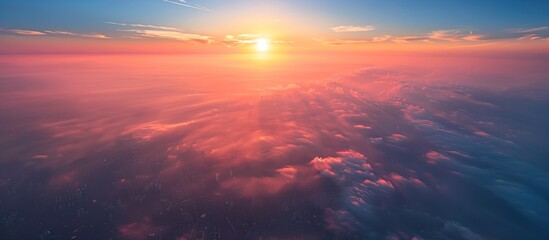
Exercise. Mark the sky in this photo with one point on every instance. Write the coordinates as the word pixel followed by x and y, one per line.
pixel 214 26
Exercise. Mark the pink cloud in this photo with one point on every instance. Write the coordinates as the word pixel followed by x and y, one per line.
pixel 91 35
pixel 434 157
pixel 26 32
pixel 353 28
pixel 172 35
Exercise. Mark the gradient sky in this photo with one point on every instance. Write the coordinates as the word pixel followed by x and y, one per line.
pixel 308 22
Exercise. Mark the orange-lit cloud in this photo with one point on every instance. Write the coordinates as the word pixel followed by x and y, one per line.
pixel 138 25
pixel 24 32
pixel 530 37
pixel 161 32
pixel 353 28
pixel 173 35
pixel 434 36
pixel 454 35
pixel 249 139
pixel 98 36
pixel 241 39
pixel 54 33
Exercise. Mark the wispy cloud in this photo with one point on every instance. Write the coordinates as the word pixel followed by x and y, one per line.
pixel 342 41
pixel 454 35
pixel 184 3
pixel 241 39
pixel 53 33
pixel 24 32
pixel 163 32
pixel 405 39
pixel 247 38
pixel 353 28
pixel 439 35
pixel 528 30
pixel 138 25
pixel 530 37
pixel 172 35
pixel 88 35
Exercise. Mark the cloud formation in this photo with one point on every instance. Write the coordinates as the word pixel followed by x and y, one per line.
pixel 24 32
pixel 98 36
pixel 435 36
pixel 54 33
pixel 187 151
pixel 353 28
pixel 185 3
pixel 528 30
pixel 241 39
pixel 172 35
pixel 138 25
pixel 454 35
pixel 161 32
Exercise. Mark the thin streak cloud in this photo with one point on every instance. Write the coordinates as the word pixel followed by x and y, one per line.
pixel 138 25
pixel 54 33
pixel 528 30
pixel 91 35
pixel 171 35
pixel 434 36
pixel 24 32
pixel 186 4
pixel 353 28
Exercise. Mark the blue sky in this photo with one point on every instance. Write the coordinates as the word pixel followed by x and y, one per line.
pixel 391 17
pixel 236 22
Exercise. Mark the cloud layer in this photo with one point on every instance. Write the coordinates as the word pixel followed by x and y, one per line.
pixel 168 147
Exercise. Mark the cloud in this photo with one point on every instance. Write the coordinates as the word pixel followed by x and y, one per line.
pixel 353 28
pixel 439 35
pixel 241 39
pixel 530 37
pixel 454 35
pixel 91 35
pixel 247 39
pixel 162 32
pixel 24 32
pixel 528 30
pixel 172 35
pixel 297 161
pixel 184 3
pixel 341 41
pixel 406 39
pixel 144 26
pixel 50 32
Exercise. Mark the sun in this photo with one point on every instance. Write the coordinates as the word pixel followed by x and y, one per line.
pixel 262 45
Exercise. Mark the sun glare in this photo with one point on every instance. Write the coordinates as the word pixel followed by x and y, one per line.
pixel 262 45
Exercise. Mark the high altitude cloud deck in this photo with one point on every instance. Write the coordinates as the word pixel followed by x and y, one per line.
pixel 372 154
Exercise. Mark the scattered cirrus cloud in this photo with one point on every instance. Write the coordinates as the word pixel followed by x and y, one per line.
pixel 24 32
pixel 349 28
pixel 439 35
pixel 163 32
pixel 143 26
pixel 173 35
pixel 185 3
pixel 454 35
pixel 528 30
pixel 91 35
pixel 53 33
